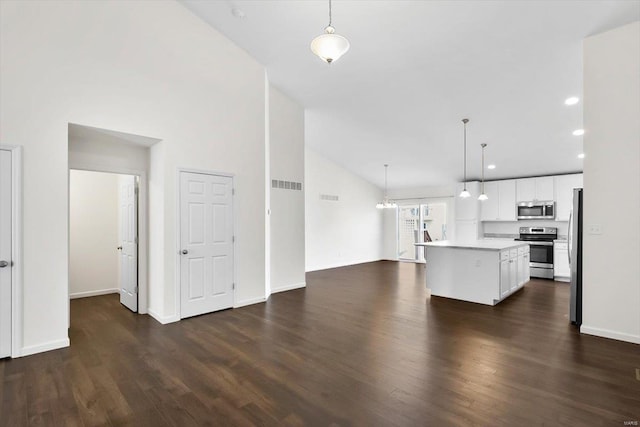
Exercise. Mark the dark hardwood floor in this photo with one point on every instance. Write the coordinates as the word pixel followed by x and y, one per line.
pixel 362 345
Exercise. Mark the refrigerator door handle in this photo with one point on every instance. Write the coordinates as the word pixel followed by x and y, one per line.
pixel 569 237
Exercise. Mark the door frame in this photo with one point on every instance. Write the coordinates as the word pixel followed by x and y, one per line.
pixel 17 327
pixel 178 287
pixel 143 239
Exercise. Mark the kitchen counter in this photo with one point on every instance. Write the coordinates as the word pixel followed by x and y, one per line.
pixel 482 271
pixel 483 245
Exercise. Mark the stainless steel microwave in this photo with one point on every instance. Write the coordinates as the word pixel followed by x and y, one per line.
pixel 536 210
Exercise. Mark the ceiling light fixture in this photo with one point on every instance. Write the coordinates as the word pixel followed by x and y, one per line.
pixel 581 156
pixel 386 203
pixel 329 46
pixel 483 196
pixel 491 167
pixel 572 100
pixel 465 193
pixel 578 132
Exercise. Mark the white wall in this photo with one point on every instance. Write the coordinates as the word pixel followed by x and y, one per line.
pixel 416 193
pixel 390 234
pixel 286 160
pixel 145 68
pixel 344 232
pixel 611 268
pixel 93 233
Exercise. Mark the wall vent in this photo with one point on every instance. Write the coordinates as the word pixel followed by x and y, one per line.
pixel 329 197
pixel 286 185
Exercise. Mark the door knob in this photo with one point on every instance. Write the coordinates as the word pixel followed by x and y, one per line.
pixel 119 248
pixel 4 264
pixel 184 252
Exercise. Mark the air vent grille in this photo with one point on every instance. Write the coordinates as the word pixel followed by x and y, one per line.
pixel 286 185
pixel 329 197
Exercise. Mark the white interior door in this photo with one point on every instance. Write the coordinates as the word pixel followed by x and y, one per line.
pixel 206 243
pixel 128 234
pixel 6 265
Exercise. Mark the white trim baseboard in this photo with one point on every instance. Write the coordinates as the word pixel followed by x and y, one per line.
pixel 251 301
pixel 48 346
pixel 605 333
pixel 163 319
pixel 289 287
pixel 94 293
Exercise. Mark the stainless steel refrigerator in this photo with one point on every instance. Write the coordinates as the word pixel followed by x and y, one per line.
pixel 575 257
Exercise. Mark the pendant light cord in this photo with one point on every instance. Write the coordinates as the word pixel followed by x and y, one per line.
pixel 465 155
pixel 465 121
pixel 483 145
pixel 330 13
pixel 385 182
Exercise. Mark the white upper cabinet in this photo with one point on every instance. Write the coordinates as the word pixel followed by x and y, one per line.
pixel 544 188
pixel 467 209
pixel 564 185
pixel 528 189
pixel 490 209
pixel 501 205
pixel 525 189
pixel 507 196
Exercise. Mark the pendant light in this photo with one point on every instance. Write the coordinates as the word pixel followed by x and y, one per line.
pixel 465 193
pixel 329 46
pixel 482 197
pixel 386 204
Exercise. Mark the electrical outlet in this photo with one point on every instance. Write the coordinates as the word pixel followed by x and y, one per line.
pixel 478 263
pixel 595 229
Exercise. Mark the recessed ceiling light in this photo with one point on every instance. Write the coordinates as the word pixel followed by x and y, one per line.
pixel 238 13
pixel 581 156
pixel 578 132
pixel 572 100
pixel 491 167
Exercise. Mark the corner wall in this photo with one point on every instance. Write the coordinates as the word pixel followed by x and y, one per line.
pixel 344 231
pixel 287 210
pixel 611 258
pixel 144 68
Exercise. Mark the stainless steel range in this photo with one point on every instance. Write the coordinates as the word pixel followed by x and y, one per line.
pixel 540 240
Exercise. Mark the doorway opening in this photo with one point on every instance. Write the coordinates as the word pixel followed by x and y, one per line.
pixel 109 151
pixel 103 235
pixel 419 223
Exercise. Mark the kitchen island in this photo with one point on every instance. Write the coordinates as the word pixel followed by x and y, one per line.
pixel 483 271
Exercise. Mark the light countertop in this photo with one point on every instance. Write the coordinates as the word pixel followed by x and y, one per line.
pixel 485 245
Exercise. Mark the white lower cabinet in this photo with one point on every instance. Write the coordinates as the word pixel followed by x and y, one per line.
pixel 561 269
pixel 523 266
pixel 525 273
pixel 514 270
pixel 504 278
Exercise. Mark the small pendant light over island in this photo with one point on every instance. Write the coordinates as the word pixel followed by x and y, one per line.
pixel 464 194
pixel 386 203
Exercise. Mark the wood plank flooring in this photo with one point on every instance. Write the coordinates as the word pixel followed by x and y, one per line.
pixel 362 345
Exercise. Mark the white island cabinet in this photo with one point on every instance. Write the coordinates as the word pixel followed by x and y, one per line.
pixel 484 271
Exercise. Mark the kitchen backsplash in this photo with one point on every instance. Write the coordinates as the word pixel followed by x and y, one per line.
pixel 507 230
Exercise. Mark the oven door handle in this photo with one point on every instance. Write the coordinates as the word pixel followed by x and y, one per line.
pixel 540 243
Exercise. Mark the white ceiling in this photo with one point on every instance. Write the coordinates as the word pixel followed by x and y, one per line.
pixel 416 68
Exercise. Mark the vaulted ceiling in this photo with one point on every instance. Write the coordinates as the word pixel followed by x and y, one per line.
pixel 416 68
